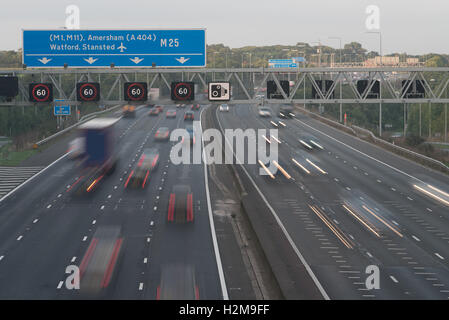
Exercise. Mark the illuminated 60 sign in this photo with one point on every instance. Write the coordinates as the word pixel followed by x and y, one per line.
pixel 40 92
pixel 136 91
pixel 183 91
pixel 88 91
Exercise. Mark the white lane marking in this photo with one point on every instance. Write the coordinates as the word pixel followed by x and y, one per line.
pixel 19 238
pixel 102 207
pixel 410 198
pixel 416 238
pixel 393 189
pixel 369 254
pixel 152 223
pixel 347 188
pixel 73 259
pixel 1 258
pixel 85 238
pixel 35 220
pixel 145 260
pixel 94 222
pixel 141 286
pixel 148 240
pixel 60 284
pixel 211 221
pixel 49 206
pixel 59 195
pixel 380 181
pixel 439 255
pixel 281 225
pixel 394 279
pixel 428 209
pixel 109 196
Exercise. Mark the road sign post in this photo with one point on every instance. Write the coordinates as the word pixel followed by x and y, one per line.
pixel 120 48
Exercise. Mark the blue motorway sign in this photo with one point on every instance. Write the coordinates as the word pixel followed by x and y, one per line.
pixel 60 110
pixel 122 48
pixel 282 63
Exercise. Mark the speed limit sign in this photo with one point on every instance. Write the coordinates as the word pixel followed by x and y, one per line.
pixel 40 92
pixel 183 91
pixel 136 91
pixel 87 91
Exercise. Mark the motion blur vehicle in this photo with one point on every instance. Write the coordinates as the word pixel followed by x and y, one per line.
pixel 162 133
pixel 129 111
pixel 170 114
pixel 153 112
pixel 264 112
pixel 310 143
pixel 159 108
pixel 100 158
pixel 224 108
pixel 177 283
pixel 195 107
pixel 76 148
pixel 189 129
pixel 142 171
pixel 273 169
pixel 189 115
pixel 180 204
pixel 98 265
pixel 286 111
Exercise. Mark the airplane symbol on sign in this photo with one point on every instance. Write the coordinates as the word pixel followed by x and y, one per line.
pixel 122 47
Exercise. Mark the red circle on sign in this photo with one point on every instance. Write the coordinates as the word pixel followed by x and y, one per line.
pixel 45 98
pixel 90 85
pixel 131 96
pixel 187 86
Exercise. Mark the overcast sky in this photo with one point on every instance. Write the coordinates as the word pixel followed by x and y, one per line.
pixel 412 26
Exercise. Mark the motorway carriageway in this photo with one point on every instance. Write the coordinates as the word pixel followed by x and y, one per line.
pixel 44 228
pixel 352 205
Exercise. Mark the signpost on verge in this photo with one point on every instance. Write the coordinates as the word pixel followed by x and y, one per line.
pixel 120 48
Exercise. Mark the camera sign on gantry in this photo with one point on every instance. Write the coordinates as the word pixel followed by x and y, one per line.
pixel 219 91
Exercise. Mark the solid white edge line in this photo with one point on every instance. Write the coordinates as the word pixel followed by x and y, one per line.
pixel 26 181
pixel 224 289
pixel 281 225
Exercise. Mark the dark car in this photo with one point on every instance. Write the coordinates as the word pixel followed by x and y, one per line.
pixel 286 112
pixel 153 112
pixel 170 114
pixel 148 162
pixel 180 205
pixel 189 115
pixel 162 133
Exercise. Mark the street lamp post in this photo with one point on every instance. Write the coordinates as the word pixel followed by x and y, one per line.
pixel 341 92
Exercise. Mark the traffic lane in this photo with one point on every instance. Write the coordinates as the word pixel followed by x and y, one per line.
pixel 392 292
pixel 290 204
pixel 405 165
pixel 63 204
pixel 410 210
pixel 420 258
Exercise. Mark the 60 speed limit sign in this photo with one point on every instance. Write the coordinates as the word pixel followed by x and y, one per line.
pixel 88 91
pixel 136 91
pixel 40 92
pixel 183 91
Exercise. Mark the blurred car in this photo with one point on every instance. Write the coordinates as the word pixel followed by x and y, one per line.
pixel 97 267
pixel 162 133
pixel 129 111
pixel 159 108
pixel 189 115
pixel 177 283
pixel 195 107
pixel 264 112
pixel 191 134
pixel 153 112
pixel 148 162
pixel 286 112
pixel 224 108
pixel 180 205
pixel 170 114
pixel 310 143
